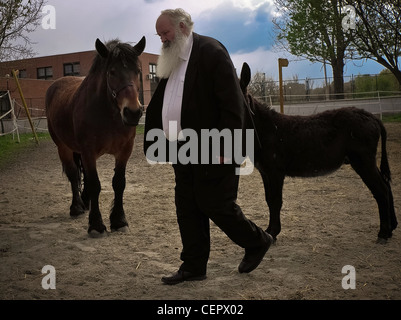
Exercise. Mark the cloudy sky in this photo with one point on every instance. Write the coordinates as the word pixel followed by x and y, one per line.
pixel 243 26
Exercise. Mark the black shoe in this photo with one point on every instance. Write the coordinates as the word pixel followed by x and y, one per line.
pixel 254 256
pixel 181 276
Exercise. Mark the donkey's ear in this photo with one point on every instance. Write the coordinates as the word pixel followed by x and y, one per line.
pixel 101 49
pixel 140 46
pixel 245 76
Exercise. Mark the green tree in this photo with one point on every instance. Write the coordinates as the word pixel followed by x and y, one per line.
pixel 313 29
pixel 17 19
pixel 367 85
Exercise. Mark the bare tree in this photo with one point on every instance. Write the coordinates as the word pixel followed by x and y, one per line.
pixel 18 18
pixel 262 87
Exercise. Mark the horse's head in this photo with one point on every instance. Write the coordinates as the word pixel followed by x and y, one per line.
pixel 122 70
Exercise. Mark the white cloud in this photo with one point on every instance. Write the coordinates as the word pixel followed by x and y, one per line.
pixel 260 60
pixel 266 61
pixel 243 26
pixel 251 4
pixel 79 23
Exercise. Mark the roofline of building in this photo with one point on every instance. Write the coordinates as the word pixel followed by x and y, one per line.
pixel 61 54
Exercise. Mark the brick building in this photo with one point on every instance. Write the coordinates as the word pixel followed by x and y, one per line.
pixel 37 74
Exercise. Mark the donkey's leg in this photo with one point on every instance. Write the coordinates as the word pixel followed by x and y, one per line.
pixel 371 176
pixel 69 166
pixel 96 226
pixel 273 183
pixel 393 218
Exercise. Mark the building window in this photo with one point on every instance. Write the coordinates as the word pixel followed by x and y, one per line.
pixel 22 74
pixel 4 106
pixel 45 73
pixel 152 71
pixel 72 69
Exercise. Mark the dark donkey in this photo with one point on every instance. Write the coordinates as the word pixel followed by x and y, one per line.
pixel 93 116
pixel 309 146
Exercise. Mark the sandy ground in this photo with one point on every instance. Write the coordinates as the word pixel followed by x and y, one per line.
pixel 327 223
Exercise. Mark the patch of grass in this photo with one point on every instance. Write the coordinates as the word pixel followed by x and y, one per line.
pixel 9 146
pixel 392 117
pixel 140 128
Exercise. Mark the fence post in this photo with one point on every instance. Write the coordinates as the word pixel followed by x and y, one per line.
pixel 281 63
pixel 380 105
pixel 25 106
pixel 13 116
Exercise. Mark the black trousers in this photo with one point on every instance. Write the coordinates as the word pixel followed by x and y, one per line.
pixel 197 200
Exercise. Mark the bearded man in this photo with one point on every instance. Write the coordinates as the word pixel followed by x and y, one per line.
pixel 199 89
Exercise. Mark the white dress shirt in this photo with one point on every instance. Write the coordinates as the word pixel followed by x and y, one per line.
pixel 173 93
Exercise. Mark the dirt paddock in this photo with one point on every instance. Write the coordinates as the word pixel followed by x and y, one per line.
pixel 327 223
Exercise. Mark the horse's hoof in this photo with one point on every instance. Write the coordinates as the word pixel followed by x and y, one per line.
pixel 273 236
pixel 124 229
pixel 96 234
pixel 381 241
pixel 76 211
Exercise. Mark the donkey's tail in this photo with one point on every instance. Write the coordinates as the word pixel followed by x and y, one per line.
pixel 384 166
pixel 78 163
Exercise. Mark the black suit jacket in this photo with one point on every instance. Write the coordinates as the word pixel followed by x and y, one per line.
pixel 212 97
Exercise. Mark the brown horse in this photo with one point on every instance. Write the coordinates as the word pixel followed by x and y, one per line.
pixel 310 146
pixel 93 116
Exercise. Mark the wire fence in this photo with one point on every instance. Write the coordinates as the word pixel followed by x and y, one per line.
pixel 11 115
pixel 14 120
pixel 377 94
pixel 378 104
pixel 319 89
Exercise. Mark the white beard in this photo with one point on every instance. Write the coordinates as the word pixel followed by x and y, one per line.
pixel 170 55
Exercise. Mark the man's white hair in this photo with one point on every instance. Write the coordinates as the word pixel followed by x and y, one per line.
pixel 179 15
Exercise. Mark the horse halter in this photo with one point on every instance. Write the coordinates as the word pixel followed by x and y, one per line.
pixel 115 92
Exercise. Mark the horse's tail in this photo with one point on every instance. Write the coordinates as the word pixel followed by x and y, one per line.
pixel 384 166
pixel 80 169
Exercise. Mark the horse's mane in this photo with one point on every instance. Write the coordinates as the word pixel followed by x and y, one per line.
pixel 261 107
pixel 264 115
pixel 120 51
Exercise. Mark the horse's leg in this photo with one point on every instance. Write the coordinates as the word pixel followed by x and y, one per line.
pixel 370 175
pixel 118 221
pixel 92 183
pixel 85 194
pixel 273 184
pixel 69 167
pixel 117 215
